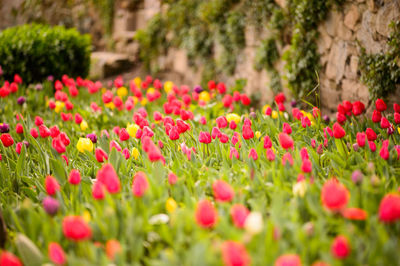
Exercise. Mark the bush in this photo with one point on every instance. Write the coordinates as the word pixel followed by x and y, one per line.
pixel 36 51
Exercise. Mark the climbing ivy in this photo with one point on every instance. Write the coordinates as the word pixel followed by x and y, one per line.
pixel 381 72
pixel 199 25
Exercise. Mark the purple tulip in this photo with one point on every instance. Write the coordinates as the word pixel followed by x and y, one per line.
pixel 326 118
pixel 51 205
pixel 4 128
pixel 92 137
pixel 50 78
pixel 356 176
pixel 21 100
pixel 293 103
pixel 198 89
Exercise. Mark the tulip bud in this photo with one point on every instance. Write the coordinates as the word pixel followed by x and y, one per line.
pixel 254 223
pixel 29 252
pixel 51 205
pixel 355 147
pixel 356 176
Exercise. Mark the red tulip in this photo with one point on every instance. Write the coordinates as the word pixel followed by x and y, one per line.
pixel 384 152
pixel 223 138
pixel 233 153
pixel 204 137
pixel 232 125
pixel 74 177
pixel 114 144
pixel 380 105
pixel 371 135
pixel 376 116
pixel 174 133
pixel 270 154
pixel 305 122
pixel 267 142
pixel 215 132
pixel 98 190
pixel 34 132
pixel 239 214
pixel 287 129
pixel 385 123
pixel 38 121
pixel 75 228
pixel 338 131
pixel 287 158
pixel 389 208
pixel 44 131
pixel 288 260
pixel 372 146
pixel 245 99
pixel 9 259
pixel 247 132
pixel 58 145
pixel 100 155
pixel 113 247
pixel 361 136
pixel 341 118
pixel 340 247
pixel 7 140
pixel 280 98
pixel 222 122
pixel 358 108
pixel 253 154
pixel 51 185
pixel 234 254
pixel 397 118
pixel 19 128
pixel 153 152
pixel 222 191
pixel 172 178
pixel 140 184
pixel 306 166
pixel 286 141
pixel 334 195
pixel 109 178
pixel 396 108
pixel 354 214
pixel 206 214
pixel 56 254
pixel 123 135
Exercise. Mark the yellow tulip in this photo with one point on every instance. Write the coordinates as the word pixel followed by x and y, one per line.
pixel 234 117
pixel 132 129
pixel 122 92
pixel 274 114
pixel 84 125
pixel 84 144
pixel 258 134
pixel 59 106
pixel 170 205
pixel 168 85
pixel 300 188
pixel 137 81
pixel 86 216
pixel 143 102
pixel 103 90
pixel 135 153
pixel 264 109
pixel 110 105
pixel 151 90
pixel 204 96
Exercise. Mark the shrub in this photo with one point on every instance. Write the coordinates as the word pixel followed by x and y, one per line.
pixel 36 51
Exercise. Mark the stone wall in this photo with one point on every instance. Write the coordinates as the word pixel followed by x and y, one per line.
pixel 363 21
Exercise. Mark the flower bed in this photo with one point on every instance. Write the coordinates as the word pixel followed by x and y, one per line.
pixel 148 173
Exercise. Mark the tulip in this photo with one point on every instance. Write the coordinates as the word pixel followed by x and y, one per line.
pixel 51 185
pixel 74 177
pixel 84 144
pixel 56 254
pixel 76 229
pixel 7 140
pixel 286 141
pixel 140 184
pixel 223 192
pixel 109 178
pixel 338 131
pixel 334 195
pixel 234 254
pixel 253 154
pixel 340 247
pixel 239 214
pixel 50 205
pixel 288 260
pixel 9 259
pixel 254 223
pixel 113 247
pixel 206 215
pixel 172 178
pixel 389 208
pixel 380 105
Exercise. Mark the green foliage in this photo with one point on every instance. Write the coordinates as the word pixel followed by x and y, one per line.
pixel 381 72
pixel 302 59
pixel 36 51
pixel 152 42
pixel 267 54
pixel 106 8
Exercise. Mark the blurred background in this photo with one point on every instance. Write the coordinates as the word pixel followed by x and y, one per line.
pixel 341 50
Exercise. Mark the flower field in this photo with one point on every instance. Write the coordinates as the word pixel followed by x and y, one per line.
pixel 141 172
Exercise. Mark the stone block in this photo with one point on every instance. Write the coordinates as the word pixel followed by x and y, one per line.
pixel 105 64
pixel 388 13
pixel 351 18
pixel 336 61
